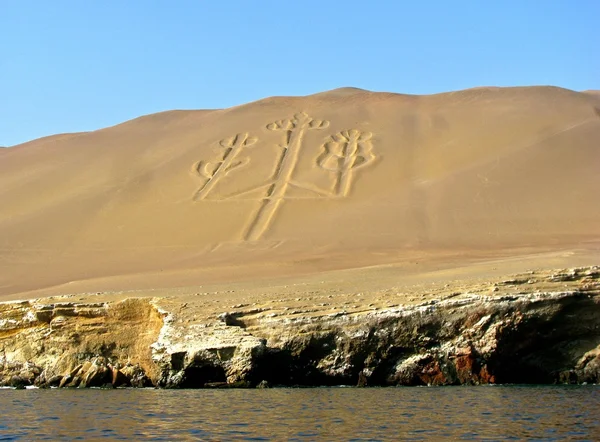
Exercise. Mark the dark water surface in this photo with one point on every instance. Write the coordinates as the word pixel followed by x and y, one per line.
pixel 470 413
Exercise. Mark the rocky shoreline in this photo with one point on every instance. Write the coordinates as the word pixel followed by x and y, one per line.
pixel 540 328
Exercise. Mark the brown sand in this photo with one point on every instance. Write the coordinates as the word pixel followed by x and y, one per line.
pixel 342 190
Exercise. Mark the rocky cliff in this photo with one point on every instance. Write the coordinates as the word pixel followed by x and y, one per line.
pixel 537 327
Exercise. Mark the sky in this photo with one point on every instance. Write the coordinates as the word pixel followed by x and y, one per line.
pixel 73 65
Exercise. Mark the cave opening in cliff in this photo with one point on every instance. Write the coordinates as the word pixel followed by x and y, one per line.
pixel 198 377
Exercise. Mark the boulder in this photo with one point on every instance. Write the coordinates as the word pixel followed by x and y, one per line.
pixel 96 376
pixel 66 379
pixel 75 371
pixel 18 382
pixel 136 376
pixel 74 383
pixel 263 384
pixel 118 379
pixel 54 381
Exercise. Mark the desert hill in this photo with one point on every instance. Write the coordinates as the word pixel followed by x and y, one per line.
pixel 301 185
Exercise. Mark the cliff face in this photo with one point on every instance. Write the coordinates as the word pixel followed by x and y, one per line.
pixel 71 344
pixel 533 328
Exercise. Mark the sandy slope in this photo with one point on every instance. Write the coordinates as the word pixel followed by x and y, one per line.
pixel 291 186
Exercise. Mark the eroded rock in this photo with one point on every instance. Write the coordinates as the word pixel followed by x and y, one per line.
pixel 511 336
pixel 75 345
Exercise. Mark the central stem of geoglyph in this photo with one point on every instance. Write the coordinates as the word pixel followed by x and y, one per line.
pixel 296 129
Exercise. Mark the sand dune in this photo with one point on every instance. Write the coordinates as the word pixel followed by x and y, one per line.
pixel 301 185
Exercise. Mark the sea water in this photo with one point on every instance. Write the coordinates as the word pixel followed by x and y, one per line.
pixel 407 413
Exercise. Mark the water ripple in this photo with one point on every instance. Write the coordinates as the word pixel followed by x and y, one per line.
pixel 464 413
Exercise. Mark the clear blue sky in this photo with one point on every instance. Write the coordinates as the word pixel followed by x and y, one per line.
pixel 74 65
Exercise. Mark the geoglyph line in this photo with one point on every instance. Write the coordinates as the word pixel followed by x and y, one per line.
pixel 295 129
pixel 345 151
pixel 214 172
pixel 342 154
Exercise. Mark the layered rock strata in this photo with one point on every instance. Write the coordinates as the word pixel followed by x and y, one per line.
pixel 539 327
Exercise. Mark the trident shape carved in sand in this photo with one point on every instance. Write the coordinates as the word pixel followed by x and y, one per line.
pixel 342 153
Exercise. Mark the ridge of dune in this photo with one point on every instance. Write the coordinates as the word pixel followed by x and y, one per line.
pixel 167 116
pixel 288 186
pixel 159 119
pixel 46 139
pixel 341 92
